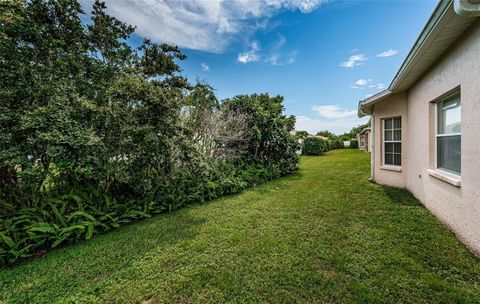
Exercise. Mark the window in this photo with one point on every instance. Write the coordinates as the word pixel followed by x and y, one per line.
pixel 448 137
pixel 392 141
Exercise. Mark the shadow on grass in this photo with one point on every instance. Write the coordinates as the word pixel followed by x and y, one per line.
pixel 401 196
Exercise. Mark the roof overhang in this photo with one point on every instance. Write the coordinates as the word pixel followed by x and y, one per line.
pixel 365 106
pixel 365 130
pixel 443 28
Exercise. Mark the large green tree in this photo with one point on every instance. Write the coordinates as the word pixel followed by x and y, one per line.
pixel 78 105
pixel 269 137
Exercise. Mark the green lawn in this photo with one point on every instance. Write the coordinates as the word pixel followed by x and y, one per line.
pixel 325 235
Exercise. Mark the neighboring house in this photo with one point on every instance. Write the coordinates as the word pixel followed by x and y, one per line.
pixel 319 137
pixel 426 125
pixel 364 140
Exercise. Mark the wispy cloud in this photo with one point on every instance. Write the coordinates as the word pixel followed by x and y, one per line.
pixel 277 56
pixel 333 112
pixel 247 57
pixel 329 117
pixel 354 60
pixel 388 53
pixel 205 67
pixel 367 83
pixel 363 82
pixel 338 126
pixel 251 55
pixel 379 86
pixel 273 54
pixel 199 24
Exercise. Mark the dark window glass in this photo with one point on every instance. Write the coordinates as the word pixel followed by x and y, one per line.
pixel 397 135
pixel 397 148
pixel 388 158
pixel 449 153
pixel 397 159
pixel 389 147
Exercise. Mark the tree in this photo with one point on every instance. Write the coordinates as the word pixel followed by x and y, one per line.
pixel 269 138
pixel 301 134
pixel 327 134
pixel 358 129
pixel 74 97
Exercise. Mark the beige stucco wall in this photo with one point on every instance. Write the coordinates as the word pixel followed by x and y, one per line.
pixel 457 207
pixel 370 142
pixel 395 106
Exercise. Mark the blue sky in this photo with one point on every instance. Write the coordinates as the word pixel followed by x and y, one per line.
pixel 322 56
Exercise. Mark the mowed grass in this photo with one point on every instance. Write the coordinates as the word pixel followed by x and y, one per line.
pixel 325 235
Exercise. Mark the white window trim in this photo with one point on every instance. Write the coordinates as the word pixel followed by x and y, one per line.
pixel 441 173
pixel 387 166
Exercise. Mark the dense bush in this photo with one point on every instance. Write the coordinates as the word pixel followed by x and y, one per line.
pixel 314 146
pixel 335 144
pixel 353 144
pixel 95 134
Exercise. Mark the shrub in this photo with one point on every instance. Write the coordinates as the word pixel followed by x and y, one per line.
pixel 314 146
pixel 354 144
pixel 335 144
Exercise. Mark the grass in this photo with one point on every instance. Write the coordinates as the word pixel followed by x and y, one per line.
pixel 325 235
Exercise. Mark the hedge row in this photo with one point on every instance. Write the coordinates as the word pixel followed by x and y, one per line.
pixel 317 146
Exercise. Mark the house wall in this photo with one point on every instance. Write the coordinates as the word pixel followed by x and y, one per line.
pixel 395 106
pixel 370 142
pixel 457 207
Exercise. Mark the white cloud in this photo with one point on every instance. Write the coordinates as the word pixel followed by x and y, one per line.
pixel 247 57
pixel 207 25
pixel 273 54
pixel 388 53
pixel 333 112
pixel 363 83
pixel 205 67
pixel 379 86
pixel 250 56
pixel 339 126
pixel 354 60
pixel 332 117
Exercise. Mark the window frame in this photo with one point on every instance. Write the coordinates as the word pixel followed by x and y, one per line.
pixel 437 103
pixel 392 141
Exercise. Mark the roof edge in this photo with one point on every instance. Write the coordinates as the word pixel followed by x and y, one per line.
pixel 364 106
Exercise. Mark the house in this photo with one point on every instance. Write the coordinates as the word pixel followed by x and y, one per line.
pixel 364 139
pixel 318 136
pixel 426 125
